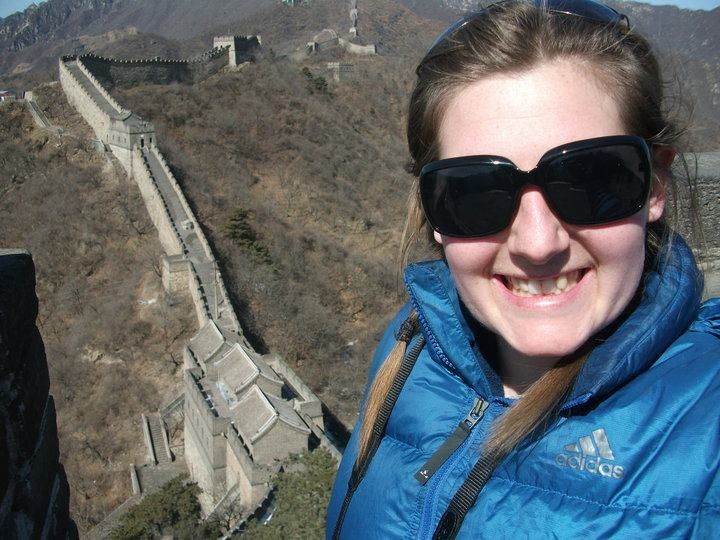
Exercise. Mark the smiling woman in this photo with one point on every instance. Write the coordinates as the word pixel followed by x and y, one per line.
pixel 558 361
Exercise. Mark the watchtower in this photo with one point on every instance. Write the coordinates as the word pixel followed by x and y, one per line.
pixel 240 48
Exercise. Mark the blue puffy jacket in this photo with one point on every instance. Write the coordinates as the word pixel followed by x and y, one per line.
pixel 635 452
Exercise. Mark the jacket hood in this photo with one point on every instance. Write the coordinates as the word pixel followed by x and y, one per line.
pixel 670 301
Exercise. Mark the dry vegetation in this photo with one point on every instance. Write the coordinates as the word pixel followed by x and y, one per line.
pixel 112 342
pixel 302 191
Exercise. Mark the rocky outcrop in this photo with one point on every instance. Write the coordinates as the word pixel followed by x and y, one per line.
pixel 45 21
pixel 34 493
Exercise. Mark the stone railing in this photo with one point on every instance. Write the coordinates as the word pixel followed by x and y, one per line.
pixel 197 292
pixel 157 206
pixel 148 440
pixel 183 201
pixel 90 109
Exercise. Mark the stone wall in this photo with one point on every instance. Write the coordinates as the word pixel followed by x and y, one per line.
pixel 354 48
pixel 175 272
pixel 83 102
pixel 708 170
pixel 111 101
pixel 253 480
pixel 127 73
pixel 221 462
pixel 240 48
pixel 205 445
pixel 156 205
pixel 34 492
pixel 274 444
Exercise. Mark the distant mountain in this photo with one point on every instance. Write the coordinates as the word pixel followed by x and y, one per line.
pixel 50 20
pixel 173 19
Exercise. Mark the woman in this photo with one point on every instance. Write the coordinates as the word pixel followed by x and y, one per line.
pixel 561 377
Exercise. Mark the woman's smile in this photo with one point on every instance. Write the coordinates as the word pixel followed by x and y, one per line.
pixel 542 286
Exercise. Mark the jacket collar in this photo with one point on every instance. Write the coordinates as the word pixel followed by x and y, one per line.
pixel 669 303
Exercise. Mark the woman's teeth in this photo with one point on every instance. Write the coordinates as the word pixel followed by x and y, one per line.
pixel 536 287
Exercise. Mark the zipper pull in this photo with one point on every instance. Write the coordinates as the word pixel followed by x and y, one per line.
pixel 458 437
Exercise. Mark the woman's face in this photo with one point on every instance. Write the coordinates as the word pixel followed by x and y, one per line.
pixel 545 287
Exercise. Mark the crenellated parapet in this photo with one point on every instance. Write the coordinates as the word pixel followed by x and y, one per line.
pixel 215 52
pixel 81 98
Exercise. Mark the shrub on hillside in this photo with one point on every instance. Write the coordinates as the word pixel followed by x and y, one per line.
pixel 242 234
pixel 174 510
pixel 301 498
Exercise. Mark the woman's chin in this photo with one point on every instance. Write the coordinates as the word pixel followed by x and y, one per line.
pixel 541 346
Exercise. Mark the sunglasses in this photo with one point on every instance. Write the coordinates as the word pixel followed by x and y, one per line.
pixel 586 182
pixel 589 10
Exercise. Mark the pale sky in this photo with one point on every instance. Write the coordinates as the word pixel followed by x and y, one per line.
pixel 11 6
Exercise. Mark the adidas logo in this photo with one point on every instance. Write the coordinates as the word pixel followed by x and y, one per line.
pixel 591 454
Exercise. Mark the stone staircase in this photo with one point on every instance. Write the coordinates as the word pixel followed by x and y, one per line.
pixel 158 439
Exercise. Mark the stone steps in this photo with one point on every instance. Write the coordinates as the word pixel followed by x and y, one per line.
pixel 157 430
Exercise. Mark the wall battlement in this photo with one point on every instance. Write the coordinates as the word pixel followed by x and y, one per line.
pixel 215 52
pixel 112 72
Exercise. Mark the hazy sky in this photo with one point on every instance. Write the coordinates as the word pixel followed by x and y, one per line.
pixel 11 6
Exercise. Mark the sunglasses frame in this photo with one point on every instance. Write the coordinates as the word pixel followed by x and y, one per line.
pixel 535 177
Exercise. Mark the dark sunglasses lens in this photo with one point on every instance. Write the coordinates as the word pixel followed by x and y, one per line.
pixel 598 185
pixel 469 200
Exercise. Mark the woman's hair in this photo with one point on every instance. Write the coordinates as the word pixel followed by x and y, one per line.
pixel 516 36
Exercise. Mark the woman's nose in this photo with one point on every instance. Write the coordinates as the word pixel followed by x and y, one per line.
pixel 536 233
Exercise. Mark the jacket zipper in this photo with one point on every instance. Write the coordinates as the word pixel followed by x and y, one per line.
pixel 431 466
pixel 443 469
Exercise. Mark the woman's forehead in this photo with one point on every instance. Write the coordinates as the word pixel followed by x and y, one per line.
pixel 527 113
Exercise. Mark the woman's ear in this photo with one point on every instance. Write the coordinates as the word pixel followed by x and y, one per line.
pixel 663 156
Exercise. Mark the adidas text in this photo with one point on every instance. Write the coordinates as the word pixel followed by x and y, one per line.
pixel 591 465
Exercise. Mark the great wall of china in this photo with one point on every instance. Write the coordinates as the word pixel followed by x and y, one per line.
pixel 243 414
